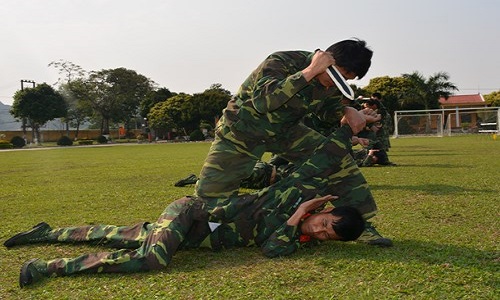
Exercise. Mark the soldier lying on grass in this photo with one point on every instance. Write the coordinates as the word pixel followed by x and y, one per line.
pixel 185 224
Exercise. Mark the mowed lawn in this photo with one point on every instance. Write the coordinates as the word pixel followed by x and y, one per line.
pixel 440 205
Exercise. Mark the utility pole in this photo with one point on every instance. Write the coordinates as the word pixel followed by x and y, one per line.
pixel 26 81
pixel 22 88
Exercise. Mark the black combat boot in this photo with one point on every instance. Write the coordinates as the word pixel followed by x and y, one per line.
pixel 36 234
pixel 32 271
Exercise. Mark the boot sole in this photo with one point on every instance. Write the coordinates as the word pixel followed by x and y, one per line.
pixel 12 241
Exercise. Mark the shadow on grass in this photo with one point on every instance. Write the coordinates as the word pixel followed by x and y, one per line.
pixel 433 189
pixel 328 254
pixel 425 166
pixel 413 251
pixel 431 154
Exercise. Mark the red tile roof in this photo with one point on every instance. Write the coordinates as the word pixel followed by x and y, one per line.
pixel 476 99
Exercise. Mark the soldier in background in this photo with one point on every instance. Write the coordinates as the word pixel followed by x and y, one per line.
pixel 385 130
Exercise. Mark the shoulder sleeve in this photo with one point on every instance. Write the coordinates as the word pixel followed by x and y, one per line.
pixel 279 78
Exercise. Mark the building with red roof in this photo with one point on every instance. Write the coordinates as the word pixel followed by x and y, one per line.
pixel 463 101
pixel 460 113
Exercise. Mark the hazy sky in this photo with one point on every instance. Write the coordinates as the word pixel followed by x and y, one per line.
pixel 187 45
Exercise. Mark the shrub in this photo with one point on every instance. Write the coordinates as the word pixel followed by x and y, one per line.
pixel 5 145
pixel 64 141
pixel 142 138
pixel 85 142
pixel 102 139
pixel 18 142
pixel 196 135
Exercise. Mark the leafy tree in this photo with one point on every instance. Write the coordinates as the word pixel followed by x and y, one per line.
pixel 209 104
pixel 152 98
pixel 76 95
pixel 169 115
pixel 391 88
pixel 185 113
pixel 116 94
pixel 38 105
pixel 493 98
pixel 159 119
pixel 68 70
pixel 72 87
pixel 425 93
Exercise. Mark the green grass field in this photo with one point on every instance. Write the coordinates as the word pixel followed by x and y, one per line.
pixel 440 205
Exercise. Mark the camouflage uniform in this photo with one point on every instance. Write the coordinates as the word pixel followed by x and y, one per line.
pixel 252 219
pixel 265 116
pixel 362 158
pixel 262 173
pixel 383 134
pixel 322 122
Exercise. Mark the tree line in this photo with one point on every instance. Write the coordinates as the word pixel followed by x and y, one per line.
pixel 109 97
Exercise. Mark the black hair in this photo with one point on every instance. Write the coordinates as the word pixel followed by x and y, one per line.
pixel 350 224
pixel 372 102
pixel 352 55
pixel 381 156
pixel 377 95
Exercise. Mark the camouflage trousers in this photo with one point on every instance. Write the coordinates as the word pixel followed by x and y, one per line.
pixel 383 137
pixel 144 246
pixel 231 159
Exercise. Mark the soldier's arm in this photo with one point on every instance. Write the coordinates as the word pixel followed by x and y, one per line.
pixel 276 85
pixel 284 241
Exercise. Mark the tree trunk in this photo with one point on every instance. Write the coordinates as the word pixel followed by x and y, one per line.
pixel 35 134
pixel 67 128
pixel 77 129
pixel 105 126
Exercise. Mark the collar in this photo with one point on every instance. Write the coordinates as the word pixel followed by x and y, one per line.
pixel 303 238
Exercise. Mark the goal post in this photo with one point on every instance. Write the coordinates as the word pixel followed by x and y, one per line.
pixel 440 122
pixel 415 123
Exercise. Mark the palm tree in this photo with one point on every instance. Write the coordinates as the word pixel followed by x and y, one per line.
pixel 426 92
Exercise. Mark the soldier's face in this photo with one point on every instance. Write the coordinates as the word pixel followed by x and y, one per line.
pixel 320 226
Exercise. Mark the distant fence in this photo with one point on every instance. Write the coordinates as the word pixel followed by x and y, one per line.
pixel 54 135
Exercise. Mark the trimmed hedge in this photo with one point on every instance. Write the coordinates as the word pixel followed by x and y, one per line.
pixel 5 145
pixel 17 142
pixel 196 135
pixel 102 139
pixel 64 141
pixel 85 142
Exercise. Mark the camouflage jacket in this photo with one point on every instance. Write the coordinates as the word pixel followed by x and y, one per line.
pixel 276 96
